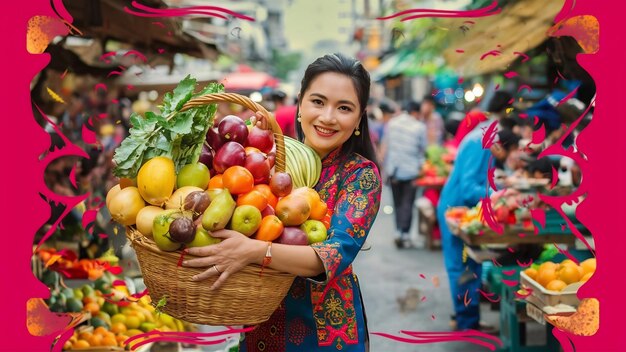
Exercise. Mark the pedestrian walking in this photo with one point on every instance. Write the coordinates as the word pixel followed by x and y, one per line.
pixel 404 148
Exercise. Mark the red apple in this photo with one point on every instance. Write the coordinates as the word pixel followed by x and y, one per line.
pixel 206 156
pixel 259 167
pixel 281 184
pixel 214 139
pixel 294 236
pixel 269 210
pixel 260 139
pixel 232 128
pixel 230 154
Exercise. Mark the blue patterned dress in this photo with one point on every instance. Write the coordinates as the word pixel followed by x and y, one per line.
pixel 326 313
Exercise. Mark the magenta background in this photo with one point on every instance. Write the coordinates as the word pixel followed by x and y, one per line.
pixel 603 142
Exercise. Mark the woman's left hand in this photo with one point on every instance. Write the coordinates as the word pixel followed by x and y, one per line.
pixel 259 120
pixel 224 258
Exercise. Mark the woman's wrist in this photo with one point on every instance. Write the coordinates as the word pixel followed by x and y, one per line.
pixel 258 251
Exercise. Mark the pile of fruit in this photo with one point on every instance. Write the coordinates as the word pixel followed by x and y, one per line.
pixel 66 262
pixel 556 277
pixel 231 185
pixel 468 220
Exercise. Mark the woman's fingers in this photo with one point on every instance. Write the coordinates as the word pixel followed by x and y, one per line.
pixel 204 251
pixel 205 274
pixel 199 262
pixel 223 277
pixel 261 121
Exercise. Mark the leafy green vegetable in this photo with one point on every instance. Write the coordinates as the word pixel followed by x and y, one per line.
pixel 172 133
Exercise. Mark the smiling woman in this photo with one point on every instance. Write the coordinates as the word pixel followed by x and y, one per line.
pixel 323 310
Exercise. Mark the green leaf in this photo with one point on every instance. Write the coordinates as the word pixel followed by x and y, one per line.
pixel 183 122
pixel 182 93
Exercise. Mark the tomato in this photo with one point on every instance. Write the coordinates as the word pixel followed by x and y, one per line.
pixel 254 198
pixel 271 228
pixel 238 180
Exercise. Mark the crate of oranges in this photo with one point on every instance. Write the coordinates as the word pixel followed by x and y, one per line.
pixel 551 284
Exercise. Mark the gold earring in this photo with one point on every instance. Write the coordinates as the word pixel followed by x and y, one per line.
pixel 357 132
pixel 299 118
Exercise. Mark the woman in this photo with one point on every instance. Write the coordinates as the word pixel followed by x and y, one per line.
pixel 323 310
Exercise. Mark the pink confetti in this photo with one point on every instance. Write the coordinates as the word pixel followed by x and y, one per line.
pixel 524 56
pixel 489 10
pixel 568 97
pixel 158 24
pixel 138 54
pixel 460 51
pixel 114 73
pixel 422 276
pixel 497 86
pixel 511 250
pixel 73 176
pixel 423 298
pixel 130 87
pixel 100 86
pixel 432 317
pixel 509 272
pixel 524 265
pixel 161 50
pixel 511 74
pixel 526 87
pixel 460 80
pixel 489 296
pixel 105 57
pixel 510 283
pixel 490 53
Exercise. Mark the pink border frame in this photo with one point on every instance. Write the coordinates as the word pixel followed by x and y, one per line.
pixel 25 141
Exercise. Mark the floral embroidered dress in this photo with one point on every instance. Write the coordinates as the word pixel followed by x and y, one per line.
pixel 325 313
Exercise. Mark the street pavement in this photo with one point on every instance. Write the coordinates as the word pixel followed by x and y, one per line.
pixel 388 275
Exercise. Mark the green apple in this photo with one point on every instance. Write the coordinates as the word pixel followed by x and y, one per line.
pixel 195 174
pixel 161 230
pixel 246 219
pixel 203 238
pixel 315 231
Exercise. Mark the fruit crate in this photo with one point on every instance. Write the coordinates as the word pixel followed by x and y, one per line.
pixel 543 297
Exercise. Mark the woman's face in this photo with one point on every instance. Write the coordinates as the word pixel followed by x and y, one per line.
pixel 329 111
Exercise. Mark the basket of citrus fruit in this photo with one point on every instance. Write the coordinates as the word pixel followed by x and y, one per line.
pixel 196 177
pixel 552 283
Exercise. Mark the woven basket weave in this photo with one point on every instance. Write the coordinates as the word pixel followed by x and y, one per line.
pixel 246 298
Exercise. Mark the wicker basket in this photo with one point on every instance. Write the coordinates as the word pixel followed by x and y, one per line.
pixel 246 298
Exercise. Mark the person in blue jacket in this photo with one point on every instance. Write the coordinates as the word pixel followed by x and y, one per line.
pixel 465 186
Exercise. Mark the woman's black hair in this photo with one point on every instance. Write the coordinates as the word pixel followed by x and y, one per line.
pixel 350 67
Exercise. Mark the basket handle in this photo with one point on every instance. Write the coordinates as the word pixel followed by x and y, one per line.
pixel 248 103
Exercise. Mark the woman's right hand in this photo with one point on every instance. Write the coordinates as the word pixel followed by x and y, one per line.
pixel 225 258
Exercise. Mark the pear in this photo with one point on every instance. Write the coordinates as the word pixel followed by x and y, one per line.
pixel 217 215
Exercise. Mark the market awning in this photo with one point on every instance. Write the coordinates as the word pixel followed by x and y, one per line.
pixel 107 19
pixel 407 62
pixel 249 81
pixel 491 43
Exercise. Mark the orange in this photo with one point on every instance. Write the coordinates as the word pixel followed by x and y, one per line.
pixel 238 180
pixel 547 265
pixel 270 229
pixel 95 340
pixel 120 340
pixel 118 328
pixel 267 192
pixel 80 344
pixel 100 330
pixel 556 285
pixel 254 198
pixel 109 341
pixel 93 308
pixel 588 265
pixel 586 277
pixel 318 210
pixel 216 182
pixel 569 274
pixel 67 345
pixel 85 335
pixel 532 273
pixel 545 276
pixel 90 299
